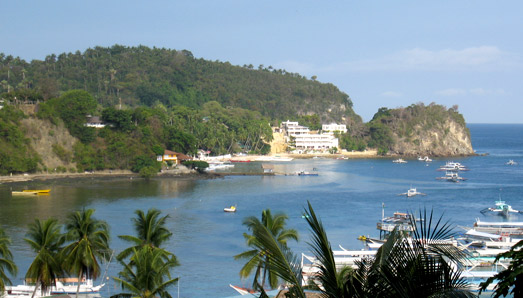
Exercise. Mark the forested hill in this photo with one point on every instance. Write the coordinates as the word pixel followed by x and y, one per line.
pixel 145 76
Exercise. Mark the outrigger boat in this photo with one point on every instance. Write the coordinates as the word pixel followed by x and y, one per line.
pixel 452 176
pixel 399 160
pixel 425 159
pixel 412 192
pixel 453 166
pixel 511 163
pixel 501 208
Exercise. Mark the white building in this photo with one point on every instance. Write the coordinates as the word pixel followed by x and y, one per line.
pixel 293 128
pixel 330 128
pixel 319 142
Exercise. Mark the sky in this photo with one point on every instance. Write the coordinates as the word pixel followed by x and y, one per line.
pixel 381 53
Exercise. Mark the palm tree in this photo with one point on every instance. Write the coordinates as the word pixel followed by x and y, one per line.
pixel 6 261
pixel 151 231
pixel 90 242
pixel 403 267
pixel 148 275
pixel 420 265
pixel 510 278
pixel 258 258
pixel 45 239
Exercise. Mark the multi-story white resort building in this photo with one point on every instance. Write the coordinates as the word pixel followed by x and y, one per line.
pixel 331 128
pixel 319 142
pixel 293 128
pixel 305 141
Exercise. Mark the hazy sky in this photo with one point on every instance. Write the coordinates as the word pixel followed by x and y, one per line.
pixel 381 53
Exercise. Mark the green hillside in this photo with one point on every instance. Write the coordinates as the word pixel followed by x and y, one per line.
pixel 140 75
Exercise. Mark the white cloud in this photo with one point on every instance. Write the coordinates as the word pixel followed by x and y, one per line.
pixel 391 94
pixel 481 58
pixel 474 91
pixel 451 92
pixel 468 59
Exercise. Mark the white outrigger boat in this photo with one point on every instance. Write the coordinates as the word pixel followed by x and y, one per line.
pixel 411 193
pixel 425 159
pixel 511 163
pixel 501 208
pixel 452 176
pixel 62 286
pixel 399 160
pixel 453 166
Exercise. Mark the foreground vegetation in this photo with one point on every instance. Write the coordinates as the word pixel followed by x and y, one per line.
pixel 420 267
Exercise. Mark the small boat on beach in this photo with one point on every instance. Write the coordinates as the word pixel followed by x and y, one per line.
pixel 230 209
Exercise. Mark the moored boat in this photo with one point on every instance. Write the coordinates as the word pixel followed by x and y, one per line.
pixel 230 209
pixel 399 160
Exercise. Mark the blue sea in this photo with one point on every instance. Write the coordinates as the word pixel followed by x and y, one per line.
pixel 347 196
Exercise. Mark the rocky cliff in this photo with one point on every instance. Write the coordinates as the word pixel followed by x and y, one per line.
pixel 431 130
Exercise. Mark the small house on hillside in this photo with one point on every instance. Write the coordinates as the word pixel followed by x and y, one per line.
pixel 94 121
pixel 172 156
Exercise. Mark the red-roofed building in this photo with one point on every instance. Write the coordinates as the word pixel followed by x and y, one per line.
pixel 172 156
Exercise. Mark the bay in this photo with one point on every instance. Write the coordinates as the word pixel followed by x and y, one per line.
pixel 347 195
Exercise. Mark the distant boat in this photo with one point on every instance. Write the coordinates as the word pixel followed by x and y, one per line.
pixel 305 173
pixel 425 159
pixel 412 192
pixel 40 191
pixel 29 192
pixel 501 208
pixel 451 176
pixel 399 160
pixel 230 209
pixel 453 166
pixel 511 163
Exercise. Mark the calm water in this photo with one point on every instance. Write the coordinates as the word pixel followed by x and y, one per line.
pixel 347 195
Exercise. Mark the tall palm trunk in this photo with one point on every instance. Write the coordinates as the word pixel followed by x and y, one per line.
pixel 36 287
pixel 80 277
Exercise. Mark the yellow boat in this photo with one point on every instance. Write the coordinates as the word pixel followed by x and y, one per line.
pixel 24 193
pixel 38 191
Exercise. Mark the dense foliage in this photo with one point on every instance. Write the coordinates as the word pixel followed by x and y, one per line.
pixel 16 155
pixel 408 124
pixel 141 75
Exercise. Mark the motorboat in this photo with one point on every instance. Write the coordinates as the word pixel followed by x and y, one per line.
pixel 451 176
pixel 501 208
pixel 305 173
pixel 411 193
pixel 399 160
pixel 425 159
pixel 511 163
pixel 453 166
pixel 230 209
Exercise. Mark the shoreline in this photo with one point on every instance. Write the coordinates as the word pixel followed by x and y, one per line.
pixel 368 154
